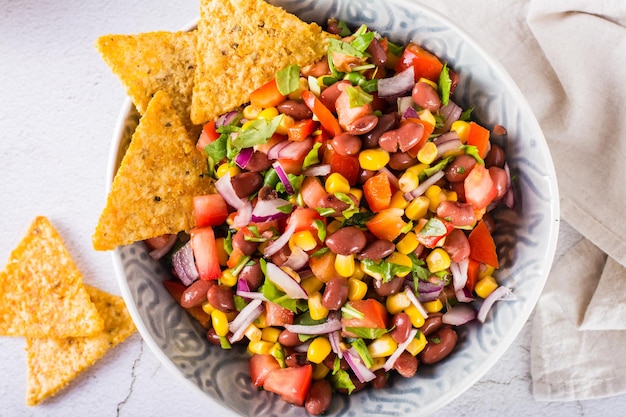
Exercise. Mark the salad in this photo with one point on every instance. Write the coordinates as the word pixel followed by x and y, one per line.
pixel 350 233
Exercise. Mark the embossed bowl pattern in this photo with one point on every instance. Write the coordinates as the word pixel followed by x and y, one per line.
pixel 526 238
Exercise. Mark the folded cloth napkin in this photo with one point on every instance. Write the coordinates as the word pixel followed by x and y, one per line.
pixel 568 58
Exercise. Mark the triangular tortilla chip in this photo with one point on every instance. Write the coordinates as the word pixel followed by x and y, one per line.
pixel 53 363
pixel 152 192
pixel 148 62
pixel 242 44
pixel 41 289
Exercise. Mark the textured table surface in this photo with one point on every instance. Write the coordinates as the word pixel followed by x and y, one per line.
pixel 58 106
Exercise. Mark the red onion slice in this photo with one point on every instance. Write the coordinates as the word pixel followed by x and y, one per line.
pixel 251 295
pixel 274 151
pixel 459 273
pixel 391 361
pixel 317 170
pixel 500 293
pixel 449 146
pixel 226 190
pixel 285 282
pixel 185 265
pixel 298 259
pixel 398 84
pixel 323 328
pixel 160 252
pixel 459 315
pixel 410 113
pixel 418 305
pixel 421 189
pixel 451 113
pixel 296 150
pixel 226 118
pixel 335 343
pixel 361 371
pixel 283 177
pixel 243 216
pixel 266 210
pixel 245 317
pixel 243 157
pixel 276 245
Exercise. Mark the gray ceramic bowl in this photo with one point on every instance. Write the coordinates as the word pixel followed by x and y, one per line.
pixel 527 239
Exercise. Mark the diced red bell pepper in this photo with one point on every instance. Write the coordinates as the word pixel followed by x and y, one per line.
pixel 479 136
pixel 387 224
pixel 323 114
pixel 267 95
pixel 482 245
pixel 425 63
pixel 301 129
pixel 209 134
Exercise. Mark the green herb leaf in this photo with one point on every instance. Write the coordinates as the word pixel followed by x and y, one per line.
pixel 228 243
pixel 385 270
pixel 358 219
pixel 321 229
pixel 287 208
pixel 434 227
pixel 466 115
pixel 325 212
pixel 341 379
pixel 435 168
pixel 370 86
pixel 344 30
pixel 394 48
pixel 240 302
pixel 294 180
pixel 312 157
pixel 224 343
pixel 259 132
pixel 216 150
pixel 349 312
pixel 358 97
pixel 320 252
pixel 445 84
pixel 362 41
pixel 338 46
pixel 472 151
pixel 366 332
pixel 361 348
pixel 272 293
pixel 288 79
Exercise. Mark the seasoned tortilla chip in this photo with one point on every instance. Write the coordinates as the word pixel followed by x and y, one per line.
pixel 53 363
pixel 148 62
pixel 242 44
pixel 152 192
pixel 41 289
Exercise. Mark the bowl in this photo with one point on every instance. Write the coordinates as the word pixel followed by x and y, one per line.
pixel 526 238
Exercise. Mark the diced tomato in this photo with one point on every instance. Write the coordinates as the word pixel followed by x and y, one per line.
pixel 323 267
pixel 374 315
pixel 425 64
pixel 346 165
pixel 437 229
pixel 267 95
pixel 291 166
pixel 209 210
pixel 260 368
pixel 312 191
pixel 325 116
pixel 235 256
pixel 479 136
pixel 428 130
pixel 277 315
pixel 482 246
pixel 209 134
pixel 472 274
pixel 301 129
pixel 292 384
pixel 176 289
pixel 387 224
pixel 480 189
pixel 265 147
pixel 205 252
pixel 157 242
pixel 304 218
pixel 346 114
pixel 377 192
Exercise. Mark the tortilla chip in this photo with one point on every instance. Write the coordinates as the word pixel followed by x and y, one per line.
pixel 148 62
pixel 41 289
pixel 53 363
pixel 152 192
pixel 242 44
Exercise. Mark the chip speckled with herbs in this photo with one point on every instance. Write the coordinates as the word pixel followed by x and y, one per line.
pixel 242 44
pixel 148 62
pixel 41 289
pixel 53 363
pixel 153 189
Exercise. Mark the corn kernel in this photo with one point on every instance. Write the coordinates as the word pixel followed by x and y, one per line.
pixel 207 307
pixel 356 289
pixel 320 371
pixel 427 116
pixel 436 195
pixel 432 191
pixel 417 169
pixel 427 81
pixel 333 227
pixel 303 239
pixel 485 286
pixel 433 306
pixel 337 183
pixel 247 125
pixel 408 182
pixel 261 321
pixel 451 195
pixel 357 193
pixel 261 347
pixel 285 123
pixel 416 318
pixel 268 113
pixel 228 278
pixel 400 259
pixel 427 153
pixel 382 347
pixel 219 322
pixel 397 302
pixel 408 243
pixel 318 349
pixel 485 270
pixel 251 112
pixel 253 333
pixel 316 308
pixel 417 344
pixel 462 129
pixel 270 334
pixel 223 169
pixel 398 200
pixel 311 284
pixel 345 265
pixel 373 159
pixel 378 363
pixel 221 251
pixel 358 273
pixel 438 260
pixel 417 208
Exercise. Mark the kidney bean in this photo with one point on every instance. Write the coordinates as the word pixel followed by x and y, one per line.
pixel 346 241
pixel 281 256
pixel 258 162
pixel 401 325
pixel 296 109
pixel 459 168
pixel 454 79
pixel 332 26
pixel 386 122
pixel 376 250
pixel 252 275
pixel 335 293
pixel 459 214
pixel 196 293
pixel 495 157
pixel 459 189
pixel 332 202
pixel 294 359
pixel 381 379
pixel 500 180
pixel 425 96
pixel 439 345
pixel 245 246
pixel 330 94
pixel 364 175
pixel 432 323
pixel 457 245
pixel 389 141
pixel 319 397
pixel 329 361
pixel 363 124
pixel 289 339
pixel 377 52
pixel 222 298
pixel 403 138
pixel 388 288
pixel 406 364
pixel 499 130
pixel 400 161
pixel 267 192
pixel 346 144
pixel 212 337
pixel 246 183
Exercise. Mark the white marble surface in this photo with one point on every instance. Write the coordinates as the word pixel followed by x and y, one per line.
pixel 58 105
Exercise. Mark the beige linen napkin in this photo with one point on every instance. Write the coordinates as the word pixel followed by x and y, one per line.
pixel 569 59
